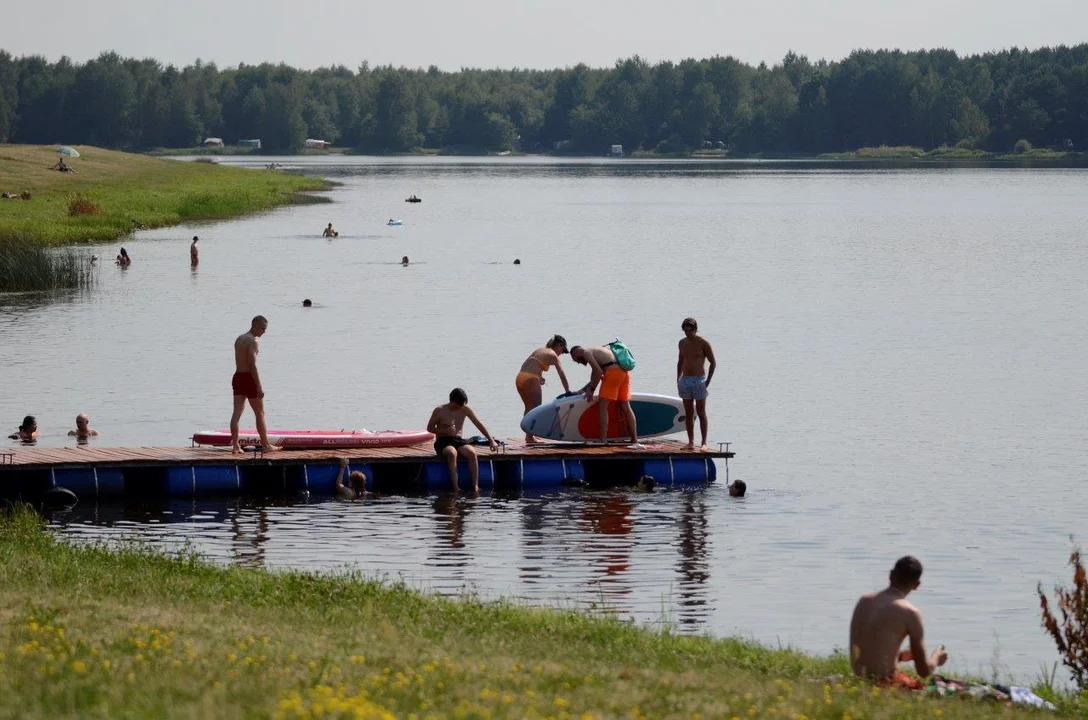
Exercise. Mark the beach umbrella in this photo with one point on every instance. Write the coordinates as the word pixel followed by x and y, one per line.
pixel 67 151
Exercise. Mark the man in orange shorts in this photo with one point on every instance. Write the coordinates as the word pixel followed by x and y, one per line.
pixel 881 622
pixel 615 386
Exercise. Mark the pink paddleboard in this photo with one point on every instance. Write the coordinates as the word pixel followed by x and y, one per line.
pixel 318 438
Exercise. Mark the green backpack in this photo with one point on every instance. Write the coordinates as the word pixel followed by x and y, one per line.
pixel 624 358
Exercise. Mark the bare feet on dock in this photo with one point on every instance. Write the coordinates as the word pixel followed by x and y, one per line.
pixel 270 448
pixel 236 449
pixel 704 448
pixel 690 446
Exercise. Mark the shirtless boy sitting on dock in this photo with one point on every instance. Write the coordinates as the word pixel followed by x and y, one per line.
pixel 246 384
pixel 693 379
pixel 447 422
pixel 880 623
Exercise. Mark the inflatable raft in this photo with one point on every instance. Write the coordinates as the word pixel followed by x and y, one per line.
pixel 318 438
pixel 571 418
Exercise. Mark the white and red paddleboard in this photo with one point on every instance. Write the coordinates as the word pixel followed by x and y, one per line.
pixel 318 438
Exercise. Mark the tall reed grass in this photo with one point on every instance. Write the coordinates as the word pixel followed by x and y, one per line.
pixel 28 267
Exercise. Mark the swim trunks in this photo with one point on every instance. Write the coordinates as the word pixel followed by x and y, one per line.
pixel 524 378
pixel 902 681
pixel 243 384
pixel 444 441
pixel 616 384
pixel 691 387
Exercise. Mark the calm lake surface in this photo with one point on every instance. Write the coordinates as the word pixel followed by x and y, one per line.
pixel 901 369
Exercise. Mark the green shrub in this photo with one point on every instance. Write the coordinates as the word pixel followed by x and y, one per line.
pixel 1021 146
pixel 29 267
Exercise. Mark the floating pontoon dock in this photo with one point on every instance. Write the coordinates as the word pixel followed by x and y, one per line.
pixel 90 471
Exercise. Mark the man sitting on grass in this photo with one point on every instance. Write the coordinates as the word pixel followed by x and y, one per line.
pixel 880 623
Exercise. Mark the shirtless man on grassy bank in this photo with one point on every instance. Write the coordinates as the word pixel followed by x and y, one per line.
pixel 880 623
pixel 246 384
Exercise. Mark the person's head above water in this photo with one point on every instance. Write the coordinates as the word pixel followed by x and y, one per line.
pixel 646 483
pixel 307 303
pixel 517 261
pixel 258 326
pixel 124 253
pixel 737 488
pixel 557 343
pixel 907 574
pixel 458 396
pixel 404 260
pixel 82 420
pixel 195 238
pixel 29 423
pixel 357 481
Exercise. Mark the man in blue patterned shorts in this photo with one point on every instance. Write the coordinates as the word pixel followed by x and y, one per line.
pixel 692 379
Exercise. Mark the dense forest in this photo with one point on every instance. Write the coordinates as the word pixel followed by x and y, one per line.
pixel 925 98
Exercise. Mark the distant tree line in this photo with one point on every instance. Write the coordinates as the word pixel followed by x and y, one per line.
pixel 926 98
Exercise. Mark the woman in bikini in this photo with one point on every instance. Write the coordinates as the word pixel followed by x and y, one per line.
pixel 531 376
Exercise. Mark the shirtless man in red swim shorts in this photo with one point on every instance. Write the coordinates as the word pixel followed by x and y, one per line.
pixel 246 383
pixel 882 621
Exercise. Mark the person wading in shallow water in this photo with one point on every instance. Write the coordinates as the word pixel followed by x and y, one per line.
pixel 194 253
pixel 246 383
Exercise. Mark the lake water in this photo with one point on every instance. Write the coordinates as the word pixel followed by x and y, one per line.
pixel 901 370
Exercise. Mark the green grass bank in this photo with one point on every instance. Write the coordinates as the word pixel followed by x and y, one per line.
pixel 92 632
pixel 123 192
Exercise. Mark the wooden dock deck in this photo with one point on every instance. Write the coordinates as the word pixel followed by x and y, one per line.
pixel 26 457
pixel 175 471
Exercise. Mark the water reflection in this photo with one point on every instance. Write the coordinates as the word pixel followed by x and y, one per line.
pixel 612 549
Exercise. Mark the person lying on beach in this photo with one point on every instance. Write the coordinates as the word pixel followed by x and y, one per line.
pixel 28 431
pixel 356 487
pixel 447 421
pixel 530 379
pixel 879 625
pixel 83 429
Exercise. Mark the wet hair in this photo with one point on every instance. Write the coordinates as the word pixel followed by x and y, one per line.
pixel 458 396
pixel 689 322
pixel 741 487
pixel 307 302
pixel 124 253
pixel 259 320
pixel 28 422
pixel 647 482
pixel 517 261
pixel 82 417
pixel 907 571
pixel 556 339
pixel 195 238
pixel 357 480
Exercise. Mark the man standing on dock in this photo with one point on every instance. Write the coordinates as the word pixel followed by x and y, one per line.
pixel 246 384
pixel 615 386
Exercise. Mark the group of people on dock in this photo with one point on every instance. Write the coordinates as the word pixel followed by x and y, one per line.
pixel 695 368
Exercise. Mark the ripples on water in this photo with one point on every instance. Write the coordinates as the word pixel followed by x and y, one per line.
pixel 644 556
pixel 902 370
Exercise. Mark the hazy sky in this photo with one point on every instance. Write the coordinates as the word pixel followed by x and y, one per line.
pixel 525 33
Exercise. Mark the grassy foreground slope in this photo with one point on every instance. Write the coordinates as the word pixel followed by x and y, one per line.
pixel 131 192
pixel 87 632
